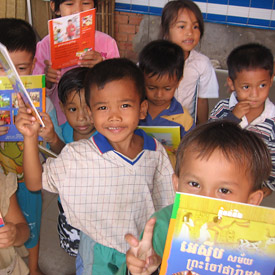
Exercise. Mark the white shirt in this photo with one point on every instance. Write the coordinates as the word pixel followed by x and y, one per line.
pixel 198 72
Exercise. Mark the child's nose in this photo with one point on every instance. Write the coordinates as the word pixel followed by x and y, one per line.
pixel 158 93
pixel 254 92
pixel 114 115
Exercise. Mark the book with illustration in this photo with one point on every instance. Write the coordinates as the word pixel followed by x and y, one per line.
pixel 211 236
pixel 168 136
pixel 70 37
pixel 1 220
pixel 35 89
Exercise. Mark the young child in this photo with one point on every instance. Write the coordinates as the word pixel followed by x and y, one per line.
pixel 182 23
pixel 71 94
pixel 162 77
pixel 20 40
pixel 217 159
pixel 15 230
pixel 110 184
pixel 250 69
pixel 105 48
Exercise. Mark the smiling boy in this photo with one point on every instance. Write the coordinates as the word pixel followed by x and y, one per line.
pixel 250 69
pixel 113 182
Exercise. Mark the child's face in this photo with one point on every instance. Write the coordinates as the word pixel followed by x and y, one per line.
pixel 160 90
pixel 70 7
pixel 185 31
pixel 77 116
pixel 252 86
pixel 116 110
pixel 216 177
pixel 23 62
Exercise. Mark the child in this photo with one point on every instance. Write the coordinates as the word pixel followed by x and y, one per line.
pixel 15 230
pixel 105 48
pixel 70 30
pixel 78 126
pixel 250 69
pixel 217 159
pixel 20 40
pixel 111 183
pixel 162 77
pixel 182 23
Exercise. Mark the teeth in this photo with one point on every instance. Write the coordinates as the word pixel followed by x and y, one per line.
pixel 113 128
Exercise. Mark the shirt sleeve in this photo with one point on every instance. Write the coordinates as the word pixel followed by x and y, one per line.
pixel 163 192
pixel 271 181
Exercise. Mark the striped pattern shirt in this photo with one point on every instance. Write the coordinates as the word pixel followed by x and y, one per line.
pixel 104 193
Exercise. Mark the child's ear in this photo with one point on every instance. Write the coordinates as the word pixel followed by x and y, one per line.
pixel 143 109
pixel 88 109
pixel 230 84
pixel 256 197
pixel 175 181
pixel 52 6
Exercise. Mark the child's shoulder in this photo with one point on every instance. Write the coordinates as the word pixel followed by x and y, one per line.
pixel 197 56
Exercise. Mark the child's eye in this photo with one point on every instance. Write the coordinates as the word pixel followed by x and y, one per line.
pixel 196 27
pixel 245 87
pixel 168 88
pixel 72 109
pixel 151 88
pixel 102 108
pixel 262 85
pixel 224 191
pixel 125 105
pixel 87 3
pixel 181 27
pixel 194 184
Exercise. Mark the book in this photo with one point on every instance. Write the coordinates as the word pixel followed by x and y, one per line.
pixel 46 152
pixel 35 85
pixel 70 37
pixel 168 136
pixel 212 236
pixel 16 81
pixel 1 220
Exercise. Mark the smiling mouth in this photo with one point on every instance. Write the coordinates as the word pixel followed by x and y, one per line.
pixel 189 41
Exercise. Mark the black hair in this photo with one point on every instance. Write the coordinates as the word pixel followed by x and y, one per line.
pixel 162 57
pixel 71 81
pixel 170 14
pixel 58 2
pixel 249 57
pixel 239 145
pixel 111 70
pixel 17 35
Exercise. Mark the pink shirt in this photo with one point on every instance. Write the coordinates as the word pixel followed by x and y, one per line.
pixel 104 44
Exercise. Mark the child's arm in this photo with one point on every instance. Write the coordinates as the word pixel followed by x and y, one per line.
pixel 29 128
pixel 3 130
pixel 89 59
pixel 16 231
pixel 49 135
pixel 202 110
pixel 141 258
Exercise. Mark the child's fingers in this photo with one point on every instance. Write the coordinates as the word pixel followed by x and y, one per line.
pixel 131 240
pixel 149 230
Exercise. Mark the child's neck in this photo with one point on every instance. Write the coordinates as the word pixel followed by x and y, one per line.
pixel 130 147
pixel 77 136
pixel 186 54
pixel 254 113
pixel 154 110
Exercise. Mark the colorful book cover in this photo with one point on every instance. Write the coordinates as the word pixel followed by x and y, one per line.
pixel 168 136
pixel 211 236
pixel 16 82
pixel 70 37
pixel 1 221
pixel 35 85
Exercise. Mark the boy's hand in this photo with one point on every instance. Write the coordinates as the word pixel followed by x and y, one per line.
pixel 141 258
pixel 25 122
pixel 89 59
pixel 52 75
pixel 3 130
pixel 241 109
pixel 7 235
pixel 47 133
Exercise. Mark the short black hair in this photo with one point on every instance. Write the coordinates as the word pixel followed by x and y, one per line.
pixel 162 57
pixel 111 70
pixel 58 2
pixel 239 145
pixel 249 57
pixel 71 81
pixel 170 14
pixel 17 35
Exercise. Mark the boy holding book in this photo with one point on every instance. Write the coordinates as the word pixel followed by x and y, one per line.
pixel 218 160
pixel 110 184
pixel 20 40
pixel 250 69
pixel 162 64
